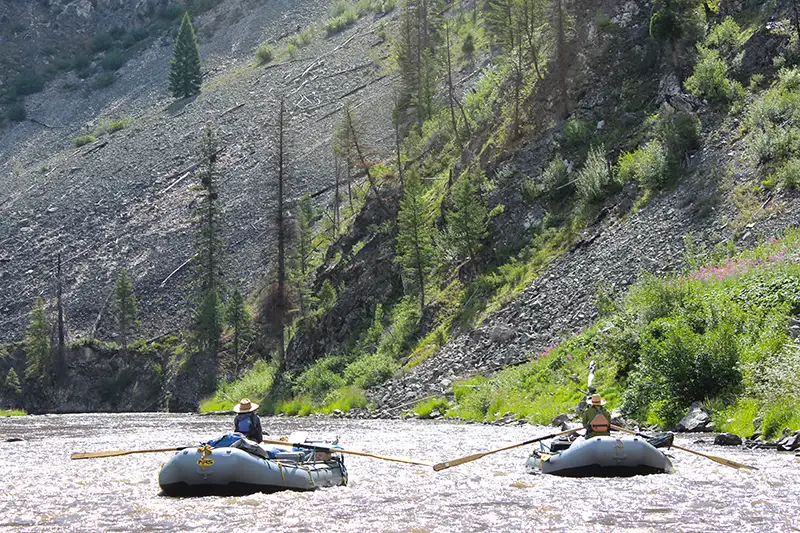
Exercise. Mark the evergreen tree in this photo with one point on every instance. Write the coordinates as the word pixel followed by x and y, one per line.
pixel 126 309
pixel 13 388
pixel 37 344
pixel 467 219
pixel 415 50
pixel 208 246
pixel 238 319
pixel 185 76
pixel 304 252
pixel 415 252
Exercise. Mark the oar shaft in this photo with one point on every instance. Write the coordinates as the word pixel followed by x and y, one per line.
pixel 474 457
pixel 349 452
pixel 117 453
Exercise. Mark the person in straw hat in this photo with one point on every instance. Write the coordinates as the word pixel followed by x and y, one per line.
pixel 596 418
pixel 247 421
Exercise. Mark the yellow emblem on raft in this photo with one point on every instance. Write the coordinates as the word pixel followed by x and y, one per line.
pixel 204 462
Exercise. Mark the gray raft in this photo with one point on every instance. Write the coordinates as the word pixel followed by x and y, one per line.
pixel 233 471
pixel 602 457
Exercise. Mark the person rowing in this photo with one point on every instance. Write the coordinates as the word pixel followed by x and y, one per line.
pixel 247 421
pixel 596 419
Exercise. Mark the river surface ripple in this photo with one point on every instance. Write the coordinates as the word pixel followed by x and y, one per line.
pixel 42 490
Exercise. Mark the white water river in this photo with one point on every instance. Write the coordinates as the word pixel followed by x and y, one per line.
pixel 42 490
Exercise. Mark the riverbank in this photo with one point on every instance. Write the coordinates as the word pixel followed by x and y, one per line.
pixel 724 332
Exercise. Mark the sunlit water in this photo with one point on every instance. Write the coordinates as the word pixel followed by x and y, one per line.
pixel 42 490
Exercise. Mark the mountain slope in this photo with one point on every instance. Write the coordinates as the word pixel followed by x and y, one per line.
pixel 124 201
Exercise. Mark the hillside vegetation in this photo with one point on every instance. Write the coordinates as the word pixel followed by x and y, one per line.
pixel 558 182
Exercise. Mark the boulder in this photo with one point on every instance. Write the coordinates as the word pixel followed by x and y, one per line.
pixel 696 420
pixel 560 421
pixel 789 443
pixel 727 439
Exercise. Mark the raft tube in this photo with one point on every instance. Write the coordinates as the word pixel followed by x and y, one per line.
pixel 602 457
pixel 232 472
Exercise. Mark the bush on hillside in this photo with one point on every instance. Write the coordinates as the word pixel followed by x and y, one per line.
pixel 594 177
pixel 556 181
pixel 113 60
pixel 710 78
pixel 16 112
pixel 101 43
pixel 265 53
pixel 341 22
pixel 28 82
pixel 83 140
pixel 788 174
pixel 648 165
pixel 772 121
pixel 727 38
pixel 680 133
pixel 575 133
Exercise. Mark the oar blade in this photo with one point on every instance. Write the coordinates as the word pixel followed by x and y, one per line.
pixel 460 461
pixel 728 462
pixel 96 455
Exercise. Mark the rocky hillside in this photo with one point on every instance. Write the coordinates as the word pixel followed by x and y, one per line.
pixel 124 200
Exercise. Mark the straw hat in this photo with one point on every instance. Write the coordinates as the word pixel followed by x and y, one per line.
pixel 596 400
pixel 245 406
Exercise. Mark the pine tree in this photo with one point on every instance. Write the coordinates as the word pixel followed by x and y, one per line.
pixel 467 219
pixel 415 50
pixel 185 76
pixel 238 319
pixel 304 252
pixel 208 247
pixel 13 388
pixel 127 309
pixel 37 344
pixel 415 252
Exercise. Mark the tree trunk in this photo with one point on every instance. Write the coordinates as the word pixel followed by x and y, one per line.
pixel 60 362
pixel 281 238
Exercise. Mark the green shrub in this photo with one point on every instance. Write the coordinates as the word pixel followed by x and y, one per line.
pixel 16 112
pixel 302 38
pixel 112 61
pixel 105 79
pixel 341 22
pixel 594 177
pixel 555 179
pixel 680 133
pixel 710 78
pixel 101 43
pixel 28 82
pixel 345 399
pixel 265 53
pixel 370 370
pixel 254 385
pixel 649 165
pixel 788 174
pixel 424 409
pixel 83 140
pixel 727 38
pixel 575 133
pixel 317 380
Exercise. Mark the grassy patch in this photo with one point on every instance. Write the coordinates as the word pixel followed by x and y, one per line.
pixel 254 385
pixel 83 140
pixel 13 412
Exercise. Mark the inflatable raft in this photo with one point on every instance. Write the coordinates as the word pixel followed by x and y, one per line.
pixel 602 457
pixel 231 470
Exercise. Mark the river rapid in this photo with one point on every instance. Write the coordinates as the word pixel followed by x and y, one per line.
pixel 42 490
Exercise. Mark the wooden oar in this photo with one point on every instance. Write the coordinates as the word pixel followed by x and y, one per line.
pixel 476 456
pixel 115 453
pixel 350 452
pixel 720 460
